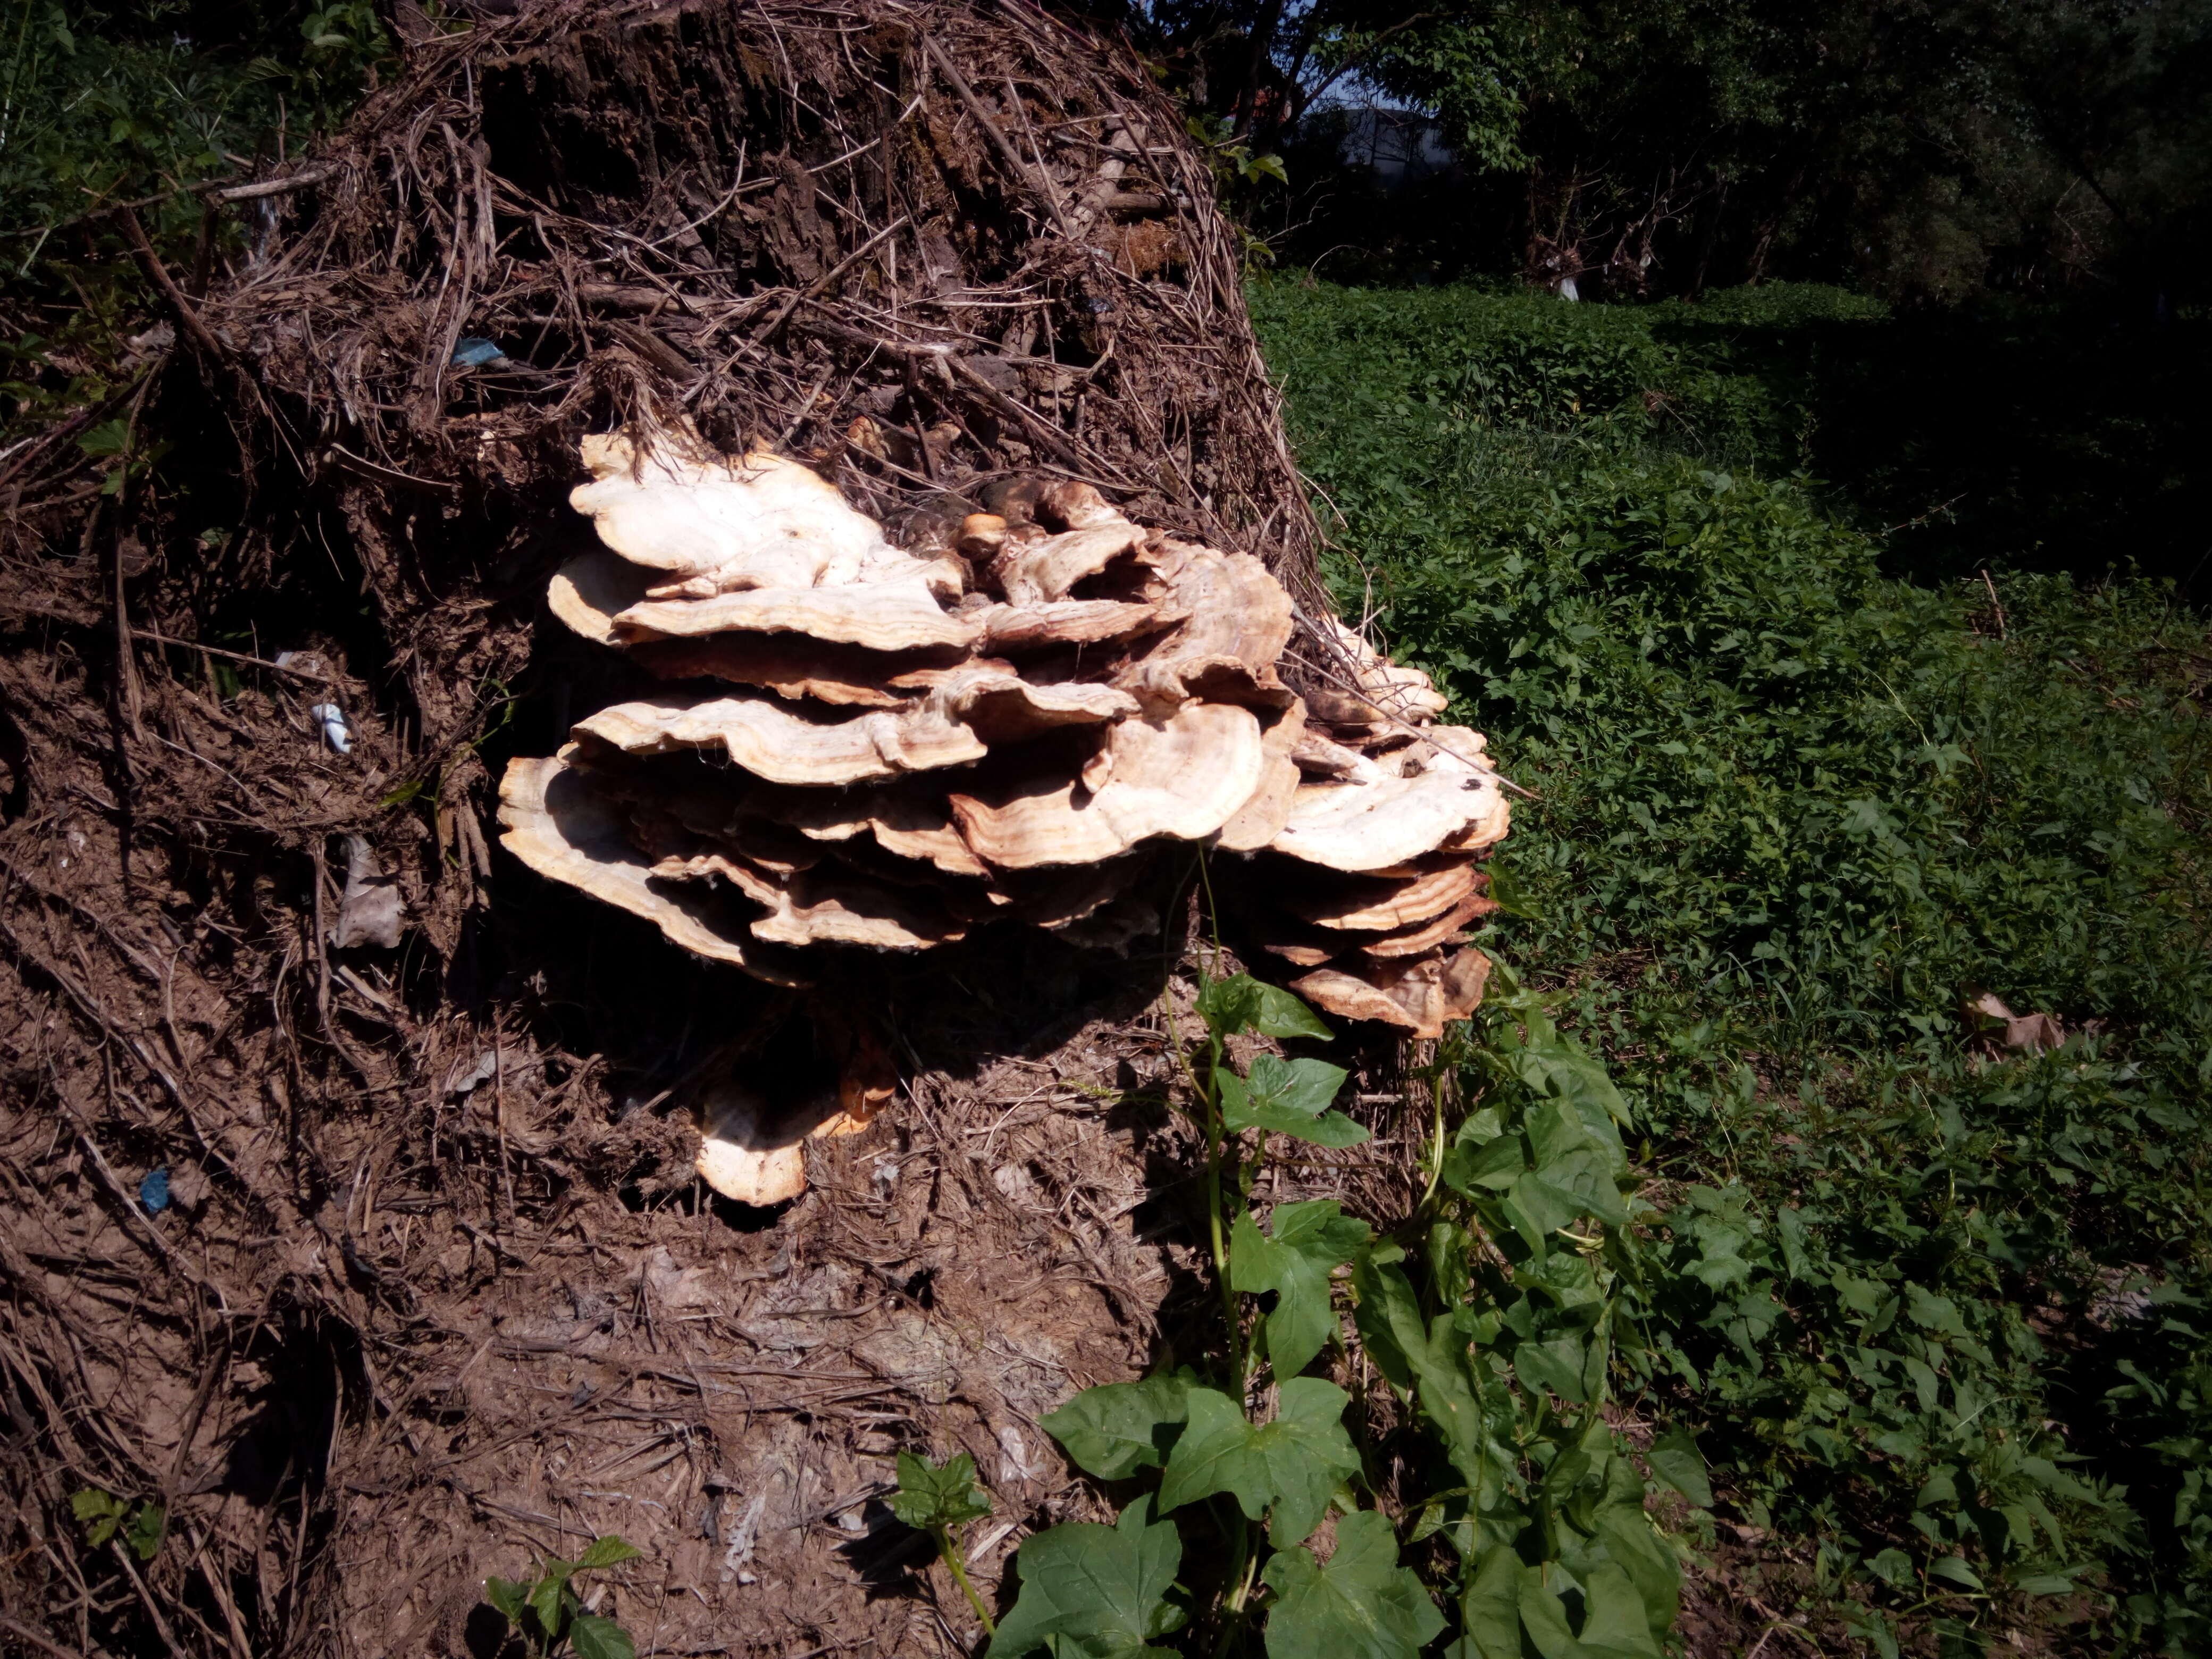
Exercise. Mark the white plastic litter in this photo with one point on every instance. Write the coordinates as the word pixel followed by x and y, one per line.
pixel 336 732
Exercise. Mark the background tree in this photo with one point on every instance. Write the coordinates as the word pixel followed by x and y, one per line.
pixel 1923 149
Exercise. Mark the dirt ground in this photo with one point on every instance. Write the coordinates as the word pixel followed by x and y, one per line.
pixel 474 1311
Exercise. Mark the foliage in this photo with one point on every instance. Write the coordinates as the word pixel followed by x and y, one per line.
pixel 546 1612
pixel 1938 1306
pixel 136 104
pixel 2005 436
pixel 940 1499
pixel 102 1514
pixel 110 103
pixel 1098 1591
pixel 1925 150
pixel 1490 1316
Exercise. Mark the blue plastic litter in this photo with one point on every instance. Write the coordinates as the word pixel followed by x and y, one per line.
pixel 154 1191
pixel 474 352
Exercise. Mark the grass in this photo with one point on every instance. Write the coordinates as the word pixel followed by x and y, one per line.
pixel 1940 1306
pixel 130 104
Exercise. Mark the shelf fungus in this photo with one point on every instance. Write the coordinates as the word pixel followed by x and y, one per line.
pixel 856 745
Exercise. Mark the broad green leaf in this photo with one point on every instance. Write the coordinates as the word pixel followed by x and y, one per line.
pixel 545 1595
pixel 1495 1164
pixel 1117 1429
pixel 1675 1458
pixel 1240 1003
pixel 1893 1566
pixel 100 1512
pixel 1547 1207
pixel 1331 1128
pixel 1587 1176
pixel 1932 1312
pixel 1556 1365
pixel 1283 1015
pixel 2044 1584
pixel 1421 1358
pixel 509 1597
pixel 1304 1087
pixel 1511 898
pixel 147 1528
pixel 1791 1224
pixel 1613 1620
pixel 1286 1469
pixel 1288 1096
pixel 1230 1006
pixel 1954 1569
pixel 1561 1067
pixel 1096 1591
pixel 1650 1563
pixel 1490 1611
pixel 1389 1314
pixel 1361 1605
pixel 1544 1616
pixel 1308 1242
pixel 1927 1386
pixel 594 1637
pixel 108 438
pixel 1873 1628
pixel 1555 1129
pixel 607 1551
pixel 930 1496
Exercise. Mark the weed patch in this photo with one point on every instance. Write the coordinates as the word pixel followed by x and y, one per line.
pixel 1938 1305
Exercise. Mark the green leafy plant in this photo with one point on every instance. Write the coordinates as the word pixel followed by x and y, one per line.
pixel 103 1515
pixel 1266 1477
pixel 940 1499
pixel 548 1615
pixel 142 102
pixel 1230 156
pixel 1489 1317
pixel 1502 1328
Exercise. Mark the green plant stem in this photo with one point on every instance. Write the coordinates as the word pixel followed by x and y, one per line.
pixel 1209 1105
pixel 1242 1563
pixel 950 1552
pixel 1214 1146
pixel 1436 1144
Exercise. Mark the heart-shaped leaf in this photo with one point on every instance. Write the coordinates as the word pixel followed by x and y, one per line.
pixel 1361 1605
pixel 607 1551
pixel 1288 1096
pixel 1118 1428
pixel 1100 1592
pixel 1675 1458
pixel 1240 1003
pixel 930 1496
pixel 1285 1469
pixel 509 1597
pixel 594 1637
pixel 1309 1240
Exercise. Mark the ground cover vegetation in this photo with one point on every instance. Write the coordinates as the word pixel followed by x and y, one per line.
pixel 1938 1307
pixel 1485 1328
pixel 114 121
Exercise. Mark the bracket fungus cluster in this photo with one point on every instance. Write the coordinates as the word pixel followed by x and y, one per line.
pixel 1372 877
pixel 1007 721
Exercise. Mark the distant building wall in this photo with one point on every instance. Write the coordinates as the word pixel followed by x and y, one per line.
pixel 1399 147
